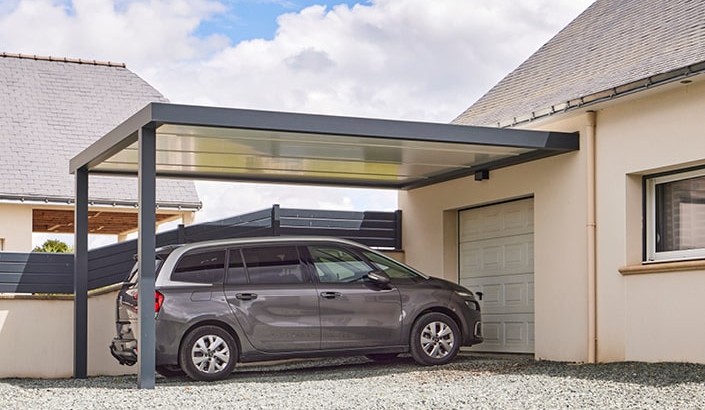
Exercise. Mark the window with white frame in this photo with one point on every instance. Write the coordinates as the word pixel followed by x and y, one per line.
pixel 675 216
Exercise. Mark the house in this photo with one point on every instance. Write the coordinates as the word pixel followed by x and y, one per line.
pixel 596 255
pixel 50 109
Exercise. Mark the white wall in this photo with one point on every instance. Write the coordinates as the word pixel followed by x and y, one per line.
pixel 665 317
pixel 36 337
pixel 638 315
pixel 652 316
pixel 16 227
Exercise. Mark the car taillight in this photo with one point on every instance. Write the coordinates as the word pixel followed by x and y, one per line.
pixel 158 300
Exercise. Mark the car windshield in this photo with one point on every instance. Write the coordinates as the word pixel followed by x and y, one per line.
pixel 392 268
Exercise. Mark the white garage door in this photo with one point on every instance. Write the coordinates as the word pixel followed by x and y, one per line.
pixel 497 258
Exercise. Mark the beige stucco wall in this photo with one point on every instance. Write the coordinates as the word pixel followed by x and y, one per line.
pixel 653 316
pixel 36 336
pixel 664 317
pixel 656 316
pixel 558 185
pixel 16 227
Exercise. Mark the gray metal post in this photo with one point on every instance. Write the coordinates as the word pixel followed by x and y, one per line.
pixel 275 220
pixel 80 277
pixel 146 256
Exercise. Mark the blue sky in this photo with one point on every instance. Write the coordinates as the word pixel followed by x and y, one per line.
pixel 251 19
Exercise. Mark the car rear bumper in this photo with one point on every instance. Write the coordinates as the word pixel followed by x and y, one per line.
pixel 124 350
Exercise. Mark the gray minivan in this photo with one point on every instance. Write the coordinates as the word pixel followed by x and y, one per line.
pixel 218 303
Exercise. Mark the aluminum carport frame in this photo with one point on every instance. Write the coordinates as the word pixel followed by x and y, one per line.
pixel 170 140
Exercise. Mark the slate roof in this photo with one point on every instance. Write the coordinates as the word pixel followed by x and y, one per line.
pixel 612 43
pixel 51 109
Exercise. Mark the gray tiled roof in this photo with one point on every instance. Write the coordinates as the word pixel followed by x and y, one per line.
pixel 612 43
pixel 51 110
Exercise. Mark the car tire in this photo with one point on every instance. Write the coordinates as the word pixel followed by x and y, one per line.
pixel 382 357
pixel 208 353
pixel 170 370
pixel 435 339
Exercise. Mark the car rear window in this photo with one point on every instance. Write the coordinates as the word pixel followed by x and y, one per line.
pixel 200 267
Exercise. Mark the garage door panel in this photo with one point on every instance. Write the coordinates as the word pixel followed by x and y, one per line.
pixel 500 256
pixel 513 294
pixel 512 218
pixel 507 333
pixel 496 252
pixel 516 294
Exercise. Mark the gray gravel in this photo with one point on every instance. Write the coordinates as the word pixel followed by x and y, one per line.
pixel 472 381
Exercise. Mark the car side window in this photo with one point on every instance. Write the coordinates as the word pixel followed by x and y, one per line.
pixel 273 265
pixel 337 265
pixel 200 267
pixel 236 269
pixel 393 269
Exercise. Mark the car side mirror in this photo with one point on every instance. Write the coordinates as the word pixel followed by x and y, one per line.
pixel 379 277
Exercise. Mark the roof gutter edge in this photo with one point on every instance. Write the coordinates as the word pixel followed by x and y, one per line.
pixel 35 199
pixel 606 95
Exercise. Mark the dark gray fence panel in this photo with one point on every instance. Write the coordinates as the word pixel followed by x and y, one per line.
pixel 253 224
pixel 36 272
pixel 53 273
pixel 110 264
pixel 375 229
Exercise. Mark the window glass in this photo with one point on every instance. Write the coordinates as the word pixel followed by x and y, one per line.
pixel 680 215
pixel 676 216
pixel 390 267
pixel 273 265
pixel 236 269
pixel 201 267
pixel 337 265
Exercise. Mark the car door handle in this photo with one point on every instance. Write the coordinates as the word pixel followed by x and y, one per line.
pixel 331 295
pixel 246 296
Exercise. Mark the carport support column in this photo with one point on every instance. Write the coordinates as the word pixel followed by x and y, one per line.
pixel 146 256
pixel 80 277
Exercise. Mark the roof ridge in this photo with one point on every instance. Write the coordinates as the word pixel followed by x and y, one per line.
pixel 62 59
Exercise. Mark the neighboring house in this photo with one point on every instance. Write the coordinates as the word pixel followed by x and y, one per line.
pixel 596 255
pixel 51 109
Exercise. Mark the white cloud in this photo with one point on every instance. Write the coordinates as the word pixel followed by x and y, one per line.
pixel 133 31
pixel 412 59
pixel 409 59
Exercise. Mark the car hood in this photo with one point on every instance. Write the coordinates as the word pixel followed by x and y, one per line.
pixel 437 283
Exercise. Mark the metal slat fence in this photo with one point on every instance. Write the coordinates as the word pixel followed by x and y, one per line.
pixel 53 273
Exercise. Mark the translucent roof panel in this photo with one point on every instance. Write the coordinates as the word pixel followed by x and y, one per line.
pixel 247 145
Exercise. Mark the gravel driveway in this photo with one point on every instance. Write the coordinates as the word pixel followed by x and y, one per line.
pixel 472 381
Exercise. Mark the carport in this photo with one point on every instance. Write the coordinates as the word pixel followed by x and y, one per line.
pixel 180 141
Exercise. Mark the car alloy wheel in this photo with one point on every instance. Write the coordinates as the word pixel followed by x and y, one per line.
pixel 208 353
pixel 435 339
